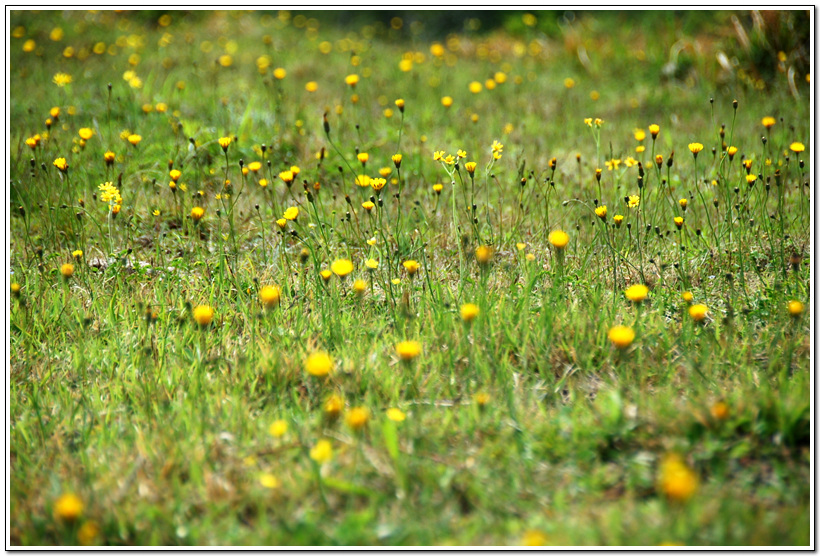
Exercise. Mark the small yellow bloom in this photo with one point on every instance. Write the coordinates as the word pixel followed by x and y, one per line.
pixel 363 158
pixel 378 183
pixel 225 142
pixel 395 414
pixel 396 158
pixel 270 295
pixel 67 270
pixel 408 350
pixel 359 287
pixel 362 180
pixel 319 364
pixel 203 315
pixel 676 480
pixel 618 219
pixel 683 204
pixel 482 399
pixel 268 480
pixel 698 312
pixel 558 239
pixel 695 148
pixel 720 411
pixel 278 428
pixel 447 102
pixel 357 418
pixel 61 164
pixel 197 213
pixel 15 289
pixel 279 73
pixel 86 133
pixel 621 336
pixel 286 176
pixel 78 254
pixel 797 147
pixel 291 213
pixel 437 188
pixel 134 139
pixel 633 201
pixel 311 86
pixel 687 296
pixel 731 151
pixel 470 167
pixel 87 534
pixel 352 80
pixel 600 212
pixel 469 311
pixel 341 267
pixel 534 538
pixel 68 507
pixel 768 122
pixel 368 205
pixel 411 267
pixel 282 223
pixel 636 293
pixel 371 264
pixel 796 308
pixel 654 129
pixel 333 407
pixel 322 452
pixel 751 178
pixel 475 87
pixel 483 254
pixel 678 222
pixel 62 79
pixel 640 135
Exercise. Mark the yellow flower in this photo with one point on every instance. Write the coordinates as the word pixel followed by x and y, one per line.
pixel 396 158
pixel 475 87
pixel 363 157
pixel 633 201
pixel 768 122
pixel 618 219
pixel 640 135
pixel 68 507
pixel 291 213
pixel 447 102
pixel 795 308
pixel 175 174
pixel 600 212
pixel 720 411
pixel 695 148
pixel 311 86
pixel 15 289
pixel 78 254
pixel 278 428
pixel 461 153
pixel 322 452
pixel 385 171
pixel 678 222
pixel 558 239
pixel 61 79
pixel 698 312
pixel 197 213
pixel 621 336
pixel 269 295
pixel 636 293
pixel 676 480
pixel 203 315
pixel 482 399
pixel 319 364
pixel 449 159
pixel 286 176
pixel 134 139
pixel 683 204
pixel 469 311
pixel 87 534
pixel 368 205
pixel 352 79
pixel 497 147
pixel 263 182
pixel 483 254
pixel 654 129
pixel 362 180
pixel 67 270
pixel 225 142
pixel 255 166
pixel 61 164
pixel 341 267
pixel 282 223
pixel 687 296
pixel 395 414
pixel 359 286
pixel 613 164
pixel 588 121
pixel 437 188
pixel 109 157
pixel 470 167
pixel 534 538
pixel 268 480
pixel 520 246
pixel 378 183
pixel 731 151
pixel 408 350
pixel 333 407
pixel 569 82
pixel 400 104
pixel 640 149
pixel 751 178
pixel 797 147
pixel 411 266
pixel 279 73
pixel 438 155
pixel 371 264
pixel 357 418
pixel 86 133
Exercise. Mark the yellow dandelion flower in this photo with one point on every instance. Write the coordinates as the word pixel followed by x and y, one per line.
pixel 319 364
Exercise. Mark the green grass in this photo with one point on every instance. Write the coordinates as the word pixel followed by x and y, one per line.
pixel 161 426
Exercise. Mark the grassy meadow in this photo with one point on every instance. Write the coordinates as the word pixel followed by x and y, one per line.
pixel 317 278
